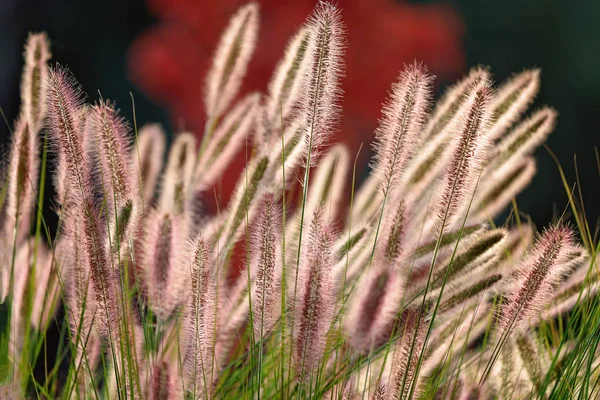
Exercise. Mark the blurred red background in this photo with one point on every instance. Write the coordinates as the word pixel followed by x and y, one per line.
pixel 169 61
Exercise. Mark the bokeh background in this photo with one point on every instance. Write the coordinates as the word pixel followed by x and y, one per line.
pixel 158 50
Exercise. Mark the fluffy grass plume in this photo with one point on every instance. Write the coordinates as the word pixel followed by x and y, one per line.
pixel 306 283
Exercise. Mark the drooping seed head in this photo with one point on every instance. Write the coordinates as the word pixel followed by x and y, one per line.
pixel 404 114
pixel 34 83
pixel 231 60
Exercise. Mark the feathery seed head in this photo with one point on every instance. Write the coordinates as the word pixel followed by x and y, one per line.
pixel 497 189
pixel 200 319
pixel 178 175
pixel 403 379
pixel 374 306
pixel 525 137
pixel 321 93
pixel 163 248
pixel 315 298
pixel 446 108
pixel 113 152
pixel 147 160
pixel 288 78
pixel 511 100
pixel 460 179
pixel 231 60
pixel 229 136
pixel 22 181
pixel 34 83
pixel 65 126
pixel 404 115
pixel 531 286
pixel 265 267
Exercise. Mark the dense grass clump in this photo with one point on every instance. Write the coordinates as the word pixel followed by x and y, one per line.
pixel 298 286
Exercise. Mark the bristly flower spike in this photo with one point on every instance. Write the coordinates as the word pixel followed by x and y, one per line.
pixel 227 140
pixel 511 100
pixel 315 302
pixel 22 182
pixel 380 292
pixel 113 152
pixel 403 382
pixel 404 114
pixel 231 60
pixel 469 153
pixel 200 319
pixel 319 106
pixel 178 175
pixel 64 102
pixel 524 138
pixel 147 161
pixel 530 289
pixel 446 109
pixel 34 84
pixel 288 79
pixel 265 267
pixel 163 249
pixel 497 190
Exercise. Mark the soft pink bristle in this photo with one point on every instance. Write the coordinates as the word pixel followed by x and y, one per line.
pixel 470 151
pixel 511 100
pixel 103 278
pixel 22 182
pixel 404 114
pixel 288 78
pixel 265 266
pixel 147 161
pixel 231 60
pixel 34 84
pixel 374 306
pixel 319 106
pixel 112 151
pixel 228 138
pixel 531 287
pixel 315 302
pixel 176 180
pixel 162 260
pixel 64 102
pixel 200 319
pixel 403 381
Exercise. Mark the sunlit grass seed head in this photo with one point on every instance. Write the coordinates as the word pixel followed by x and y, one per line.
pixel 308 281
